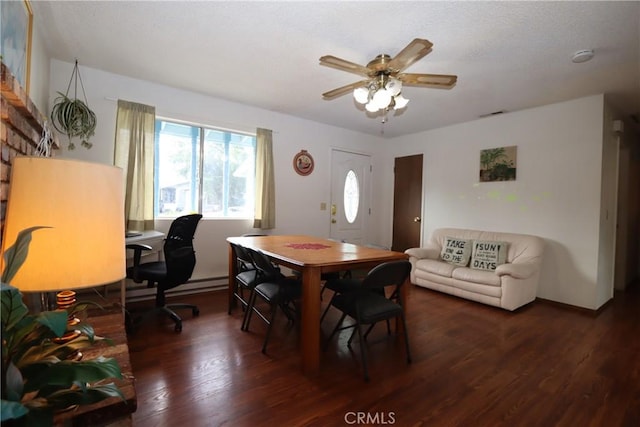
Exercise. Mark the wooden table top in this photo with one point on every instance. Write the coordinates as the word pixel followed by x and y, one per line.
pixel 308 251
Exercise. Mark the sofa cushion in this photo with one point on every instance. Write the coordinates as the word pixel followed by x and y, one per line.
pixel 476 276
pixel 439 268
pixel 456 251
pixel 487 255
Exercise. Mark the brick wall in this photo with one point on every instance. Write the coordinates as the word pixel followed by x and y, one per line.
pixel 20 130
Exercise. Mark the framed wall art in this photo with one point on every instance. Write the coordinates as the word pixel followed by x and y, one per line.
pixel 498 164
pixel 303 163
pixel 16 24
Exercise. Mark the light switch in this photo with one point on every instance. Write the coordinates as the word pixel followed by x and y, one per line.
pixel 323 206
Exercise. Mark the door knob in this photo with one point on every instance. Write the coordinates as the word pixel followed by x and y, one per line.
pixel 417 219
pixel 333 221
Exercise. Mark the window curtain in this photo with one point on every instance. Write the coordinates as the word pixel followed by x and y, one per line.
pixel 265 204
pixel 134 153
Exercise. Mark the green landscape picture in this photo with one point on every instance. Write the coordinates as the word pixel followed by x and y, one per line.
pixel 498 164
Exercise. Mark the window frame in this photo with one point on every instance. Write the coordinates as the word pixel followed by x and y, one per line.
pixel 199 159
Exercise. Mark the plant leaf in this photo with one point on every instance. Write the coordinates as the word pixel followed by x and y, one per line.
pixel 67 372
pixel 91 394
pixel 54 320
pixel 14 256
pixel 14 385
pixel 13 308
pixel 10 410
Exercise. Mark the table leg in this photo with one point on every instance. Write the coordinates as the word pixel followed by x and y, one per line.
pixel 310 329
pixel 233 271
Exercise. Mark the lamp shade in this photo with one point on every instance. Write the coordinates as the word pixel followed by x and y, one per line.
pixel 82 204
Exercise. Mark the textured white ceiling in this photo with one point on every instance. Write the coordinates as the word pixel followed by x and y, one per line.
pixel 507 55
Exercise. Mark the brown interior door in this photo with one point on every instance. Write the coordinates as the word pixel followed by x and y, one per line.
pixel 407 202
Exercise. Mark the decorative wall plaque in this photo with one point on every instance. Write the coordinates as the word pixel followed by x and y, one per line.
pixel 303 163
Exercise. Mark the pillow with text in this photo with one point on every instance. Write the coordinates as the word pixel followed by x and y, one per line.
pixel 487 255
pixel 456 251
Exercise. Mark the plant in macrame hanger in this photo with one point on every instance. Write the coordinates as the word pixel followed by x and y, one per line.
pixel 72 116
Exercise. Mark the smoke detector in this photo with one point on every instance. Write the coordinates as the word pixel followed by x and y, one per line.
pixel 582 56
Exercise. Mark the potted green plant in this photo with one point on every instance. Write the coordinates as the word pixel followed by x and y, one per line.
pixel 39 377
pixel 72 116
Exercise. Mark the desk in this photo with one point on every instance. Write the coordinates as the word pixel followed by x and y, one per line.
pixel 153 238
pixel 312 256
pixel 111 411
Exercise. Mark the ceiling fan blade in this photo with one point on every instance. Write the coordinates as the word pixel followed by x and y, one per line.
pixel 415 50
pixel 344 89
pixel 341 64
pixel 442 81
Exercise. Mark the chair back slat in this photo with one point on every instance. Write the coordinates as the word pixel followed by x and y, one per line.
pixel 392 273
pixel 243 258
pixel 263 264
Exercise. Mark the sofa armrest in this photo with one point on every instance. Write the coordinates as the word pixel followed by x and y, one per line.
pixel 430 251
pixel 519 271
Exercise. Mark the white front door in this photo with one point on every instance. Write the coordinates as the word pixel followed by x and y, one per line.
pixel 350 196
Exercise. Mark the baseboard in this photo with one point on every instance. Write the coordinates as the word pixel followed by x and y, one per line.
pixel 140 292
pixel 582 310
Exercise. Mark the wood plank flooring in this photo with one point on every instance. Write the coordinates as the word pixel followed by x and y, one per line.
pixel 473 365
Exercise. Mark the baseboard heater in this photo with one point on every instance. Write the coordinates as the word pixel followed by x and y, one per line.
pixel 140 292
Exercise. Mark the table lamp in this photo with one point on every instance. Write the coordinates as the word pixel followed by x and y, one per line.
pixel 82 206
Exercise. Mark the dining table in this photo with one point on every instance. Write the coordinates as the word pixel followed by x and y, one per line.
pixel 312 256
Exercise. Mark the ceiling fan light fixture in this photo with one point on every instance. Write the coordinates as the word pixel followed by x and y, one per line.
pixel 382 98
pixel 400 102
pixel 394 86
pixel 371 107
pixel 361 95
pixel 384 78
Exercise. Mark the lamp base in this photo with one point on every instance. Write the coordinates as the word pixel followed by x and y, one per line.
pixel 64 301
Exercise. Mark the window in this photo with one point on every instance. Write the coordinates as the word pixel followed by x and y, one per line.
pixel 204 170
pixel 351 196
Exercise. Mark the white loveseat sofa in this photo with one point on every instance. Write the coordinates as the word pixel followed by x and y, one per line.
pixel 504 272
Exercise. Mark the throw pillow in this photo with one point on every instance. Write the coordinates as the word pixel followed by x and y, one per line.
pixel 456 251
pixel 487 255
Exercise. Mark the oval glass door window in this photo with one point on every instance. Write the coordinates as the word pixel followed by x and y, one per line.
pixel 351 196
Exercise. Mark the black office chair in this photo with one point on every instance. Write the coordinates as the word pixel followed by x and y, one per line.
pixel 175 270
pixel 368 304
pixel 276 290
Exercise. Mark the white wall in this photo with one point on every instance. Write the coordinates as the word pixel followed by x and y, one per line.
pixel 298 198
pixel 556 194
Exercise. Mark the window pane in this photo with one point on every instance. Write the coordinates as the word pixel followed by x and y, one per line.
pixel 351 196
pixel 176 169
pixel 228 171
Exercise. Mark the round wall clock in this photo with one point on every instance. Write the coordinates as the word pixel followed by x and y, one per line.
pixel 303 163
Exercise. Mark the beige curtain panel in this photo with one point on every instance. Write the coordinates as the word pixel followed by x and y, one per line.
pixel 265 203
pixel 134 152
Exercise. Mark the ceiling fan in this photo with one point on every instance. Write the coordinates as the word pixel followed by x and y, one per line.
pixel 382 87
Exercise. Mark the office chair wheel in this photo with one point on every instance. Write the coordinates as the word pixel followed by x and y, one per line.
pixel 195 311
pixel 178 327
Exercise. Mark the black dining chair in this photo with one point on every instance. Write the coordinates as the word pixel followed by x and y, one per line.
pixel 247 276
pixel 278 291
pixel 175 270
pixel 375 299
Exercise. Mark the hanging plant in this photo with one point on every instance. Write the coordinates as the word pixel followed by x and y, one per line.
pixel 72 116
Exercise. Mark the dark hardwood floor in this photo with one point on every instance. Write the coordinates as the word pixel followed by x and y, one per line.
pixel 473 365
